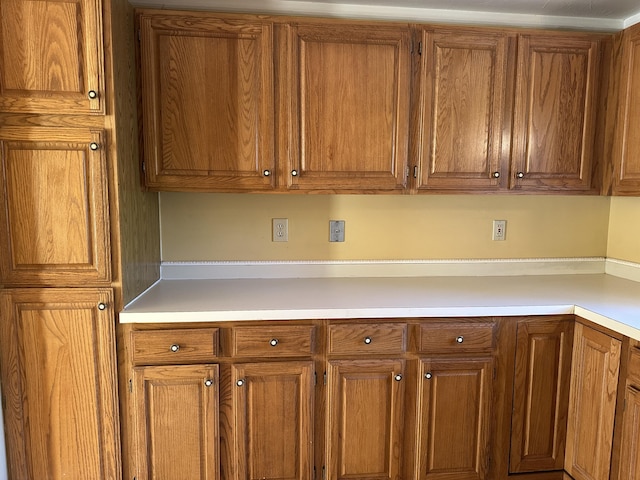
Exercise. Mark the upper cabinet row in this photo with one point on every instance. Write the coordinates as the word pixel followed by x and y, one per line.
pixel 248 103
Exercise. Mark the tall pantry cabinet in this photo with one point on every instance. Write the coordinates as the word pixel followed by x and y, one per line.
pixel 71 254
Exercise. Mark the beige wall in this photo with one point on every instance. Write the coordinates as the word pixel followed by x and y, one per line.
pixel 624 229
pixel 238 226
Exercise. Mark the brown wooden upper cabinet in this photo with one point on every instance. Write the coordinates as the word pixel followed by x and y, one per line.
pixel 51 58
pixel 555 111
pixel 627 141
pixel 207 102
pixel 464 107
pixel 349 92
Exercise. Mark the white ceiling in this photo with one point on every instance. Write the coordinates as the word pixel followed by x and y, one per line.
pixel 582 14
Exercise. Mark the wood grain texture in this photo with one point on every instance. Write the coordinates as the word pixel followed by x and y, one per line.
pixel 154 347
pixel 273 418
pixel 207 102
pixel 442 337
pixel 349 105
pixel 54 209
pixel 58 370
pixel 465 80
pixel 177 422
pixel 592 402
pixel 630 455
pixel 554 119
pixel 364 425
pixel 290 341
pixel 372 338
pixel 51 56
pixel 541 395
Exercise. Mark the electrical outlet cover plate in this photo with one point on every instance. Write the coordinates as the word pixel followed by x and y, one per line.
pixel 499 230
pixel 336 230
pixel 280 229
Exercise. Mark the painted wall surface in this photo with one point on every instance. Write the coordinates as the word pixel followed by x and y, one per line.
pixel 208 227
pixel 624 229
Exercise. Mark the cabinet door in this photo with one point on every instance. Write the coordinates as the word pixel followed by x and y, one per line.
pixel 51 58
pixel 464 85
pixel 541 395
pixel 350 107
pixel 53 208
pixel 454 418
pixel 592 403
pixel 627 160
pixel 273 414
pixel 176 409
pixel 365 415
pixel 59 385
pixel 207 102
pixel 630 456
pixel 554 118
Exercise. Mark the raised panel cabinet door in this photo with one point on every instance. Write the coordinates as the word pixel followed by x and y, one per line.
pixel 592 403
pixel 176 410
pixel 349 96
pixel 54 208
pixel 273 414
pixel 51 58
pixel 59 386
pixel 454 418
pixel 541 395
pixel 207 102
pixel 627 160
pixel 365 413
pixel 554 116
pixel 463 98
pixel 630 456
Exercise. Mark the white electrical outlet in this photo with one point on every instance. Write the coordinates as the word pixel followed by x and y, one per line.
pixel 499 230
pixel 280 229
pixel 336 231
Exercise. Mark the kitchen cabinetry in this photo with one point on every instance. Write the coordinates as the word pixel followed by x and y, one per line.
pixel 626 179
pixel 592 402
pixel 464 109
pixel 51 57
pixel 58 375
pixel 628 465
pixel 555 109
pixel 541 394
pixel 207 101
pixel 349 91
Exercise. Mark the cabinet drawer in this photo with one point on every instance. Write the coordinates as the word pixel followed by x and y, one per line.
pixel 448 337
pixel 633 374
pixel 286 341
pixel 151 347
pixel 348 338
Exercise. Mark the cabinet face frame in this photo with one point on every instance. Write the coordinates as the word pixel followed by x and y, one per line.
pixel 195 163
pixel 475 156
pixel 58 375
pixel 327 136
pixel 69 52
pixel 34 231
pixel 533 151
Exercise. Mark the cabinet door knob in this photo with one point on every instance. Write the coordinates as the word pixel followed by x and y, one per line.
pixel 174 347
pixel 102 306
pixel 240 383
pixel 208 382
pixel 273 342
pixel 428 375
pixel 266 173
pixel 94 146
pixel 92 94
pixel 368 340
pixel 460 339
pixel 398 377
pixel 294 173
pixel 520 174
pixel 496 174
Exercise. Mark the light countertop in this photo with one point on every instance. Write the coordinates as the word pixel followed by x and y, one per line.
pixel 608 300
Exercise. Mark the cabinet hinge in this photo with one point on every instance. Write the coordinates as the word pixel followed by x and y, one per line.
pixel 314 472
pixel 144 167
pixel 325 382
pixel 419 48
pixel 130 386
pixel 139 35
pixel 324 473
pixel 495 373
pixel 315 382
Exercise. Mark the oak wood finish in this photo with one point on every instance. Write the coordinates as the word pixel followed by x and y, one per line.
pixel 273 416
pixel 273 341
pixel 553 130
pixel 54 209
pixel 174 346
pixel 592 401
pixel 541 395
pixel 630 455
pixel 51 56
pixel 207 101
pixel 463 97
pixel 457 337
pixel 176 411
pixel 58 370
pixel 366 338
pixel 349 104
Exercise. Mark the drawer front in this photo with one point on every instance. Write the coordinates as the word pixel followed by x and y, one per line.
pixel 633 374
pixel 374 338
pixel 286 341
pixel 448 337
pixel 157 347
